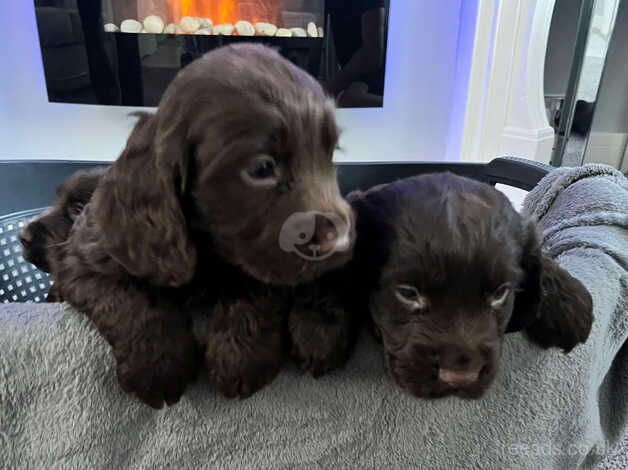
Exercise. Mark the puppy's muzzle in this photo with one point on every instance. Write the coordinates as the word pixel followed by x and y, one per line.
pixel 34 243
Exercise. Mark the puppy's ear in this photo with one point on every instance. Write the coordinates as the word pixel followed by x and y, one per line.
pixel 375 228
pixel 553 307
pixel 566 310
pixel 528 298
pixel 137 206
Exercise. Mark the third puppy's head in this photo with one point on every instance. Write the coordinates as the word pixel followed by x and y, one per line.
pixel 237 161
pixel 53 226
pixel 457 269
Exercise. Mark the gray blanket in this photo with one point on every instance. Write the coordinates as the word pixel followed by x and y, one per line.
pixel 60 406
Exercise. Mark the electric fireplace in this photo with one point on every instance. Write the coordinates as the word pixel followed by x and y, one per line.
pixel 269 18
pixel 126 52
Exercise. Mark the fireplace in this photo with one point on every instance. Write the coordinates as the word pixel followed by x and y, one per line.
pixel 268 18
pixel 126 52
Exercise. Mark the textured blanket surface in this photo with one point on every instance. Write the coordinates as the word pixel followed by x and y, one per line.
pixel 60 406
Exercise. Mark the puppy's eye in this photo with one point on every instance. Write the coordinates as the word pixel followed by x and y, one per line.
pixel 499 297
pixel 261 171
pixel 410 297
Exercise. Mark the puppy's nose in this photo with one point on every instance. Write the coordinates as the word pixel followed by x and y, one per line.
pixel 459 366
pixel 457 378
pixel 26 238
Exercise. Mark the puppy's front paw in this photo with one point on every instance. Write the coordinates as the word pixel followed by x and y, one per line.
pixel 245 346
pixel 322 336
pixel 157 368
pixel 566 311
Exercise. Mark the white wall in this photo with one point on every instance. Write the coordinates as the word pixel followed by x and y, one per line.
pixel 505 112
pixel 423 73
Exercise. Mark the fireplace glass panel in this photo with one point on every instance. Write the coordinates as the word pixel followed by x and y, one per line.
pixel 286 18
pixel 126 52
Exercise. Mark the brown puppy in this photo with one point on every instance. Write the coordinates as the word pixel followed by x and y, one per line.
pixel 450 268
pixel 190 218
pixel 53 226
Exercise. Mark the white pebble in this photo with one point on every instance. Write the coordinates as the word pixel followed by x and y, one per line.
pixel 143 31
pixel 244 28
pixel 171 28
pixel 312 30
pixel 111 28
pixel 321 32
pixel 205 23
pixel 298 32
pixel 225 29
pixel 283 33
pixel 189 24
pixel 205 31
pixel 131 26
pixel 265 29
pixel 154 24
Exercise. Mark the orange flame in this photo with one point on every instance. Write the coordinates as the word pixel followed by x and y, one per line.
pixel 226 11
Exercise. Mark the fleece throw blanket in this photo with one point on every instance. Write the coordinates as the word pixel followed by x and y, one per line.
pixel 60 406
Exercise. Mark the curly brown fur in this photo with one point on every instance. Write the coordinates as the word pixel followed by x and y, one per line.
pixel 450 267
pixel 190 213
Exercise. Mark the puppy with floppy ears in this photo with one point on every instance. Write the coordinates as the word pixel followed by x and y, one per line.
pixel 448 267
pixel 188 220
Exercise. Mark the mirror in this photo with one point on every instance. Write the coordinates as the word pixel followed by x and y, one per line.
pixel 579 40
pixel 357 52
pixel 608 138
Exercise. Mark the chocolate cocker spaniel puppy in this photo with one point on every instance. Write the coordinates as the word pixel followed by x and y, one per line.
pixel 447 268
pixel 209 212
